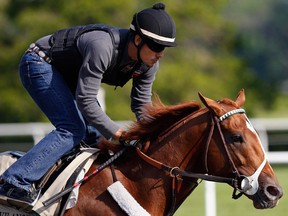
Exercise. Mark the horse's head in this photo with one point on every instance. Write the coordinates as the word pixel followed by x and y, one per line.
pixel 242 153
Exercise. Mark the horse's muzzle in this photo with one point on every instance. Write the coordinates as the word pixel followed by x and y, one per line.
pixel 268 197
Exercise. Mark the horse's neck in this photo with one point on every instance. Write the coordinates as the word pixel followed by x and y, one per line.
pixel 182 145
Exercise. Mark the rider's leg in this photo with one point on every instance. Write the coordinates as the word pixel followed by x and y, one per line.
pixel 48 89
pixel 93 136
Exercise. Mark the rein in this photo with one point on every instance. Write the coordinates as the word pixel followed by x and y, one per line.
pixel 175 172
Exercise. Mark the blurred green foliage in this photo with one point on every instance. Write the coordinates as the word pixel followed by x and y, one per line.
pixel 217 54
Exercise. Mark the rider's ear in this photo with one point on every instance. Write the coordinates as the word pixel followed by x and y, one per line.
pixel 137 40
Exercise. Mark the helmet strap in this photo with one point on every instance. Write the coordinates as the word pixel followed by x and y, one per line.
pixel 139 47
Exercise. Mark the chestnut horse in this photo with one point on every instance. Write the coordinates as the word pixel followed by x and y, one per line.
pixel 181 144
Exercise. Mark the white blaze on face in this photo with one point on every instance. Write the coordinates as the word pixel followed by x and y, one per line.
pixel 250 127
pixel 250 184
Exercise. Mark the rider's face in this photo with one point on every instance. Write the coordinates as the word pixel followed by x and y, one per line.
pixel 148 56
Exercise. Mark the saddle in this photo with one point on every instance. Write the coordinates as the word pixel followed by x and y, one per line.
pixel 61 175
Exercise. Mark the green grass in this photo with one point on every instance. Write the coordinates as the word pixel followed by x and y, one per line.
pixel 226 206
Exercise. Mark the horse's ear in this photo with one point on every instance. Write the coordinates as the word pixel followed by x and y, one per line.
pixel 203 99
pixel 210 104
pixel 240 98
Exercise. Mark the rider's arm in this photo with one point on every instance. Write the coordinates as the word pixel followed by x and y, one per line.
pixel 141 91
pixel 97 49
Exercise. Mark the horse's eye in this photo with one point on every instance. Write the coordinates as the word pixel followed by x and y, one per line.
pixel 237 138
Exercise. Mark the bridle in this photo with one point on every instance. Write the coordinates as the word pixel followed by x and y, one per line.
pixel 242 184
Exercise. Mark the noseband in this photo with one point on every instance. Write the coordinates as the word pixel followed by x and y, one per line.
pixel 243 184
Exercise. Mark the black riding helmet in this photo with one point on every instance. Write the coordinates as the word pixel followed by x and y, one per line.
pixel 156 28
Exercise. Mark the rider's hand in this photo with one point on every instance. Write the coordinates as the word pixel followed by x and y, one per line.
pixel 117 137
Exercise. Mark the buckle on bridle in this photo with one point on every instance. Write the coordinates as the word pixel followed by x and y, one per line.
pixel 235 195
pixel 171 172
pixel 244 186
pixel 236 184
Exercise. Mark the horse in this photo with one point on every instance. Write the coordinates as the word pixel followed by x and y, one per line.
pixel 177 147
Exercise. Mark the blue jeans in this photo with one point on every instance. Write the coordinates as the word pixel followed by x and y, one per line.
pixel 50 92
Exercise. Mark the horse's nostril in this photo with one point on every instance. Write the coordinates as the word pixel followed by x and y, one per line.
pixel 274 191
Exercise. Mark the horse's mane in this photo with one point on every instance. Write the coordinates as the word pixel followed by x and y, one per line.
pixel 157 117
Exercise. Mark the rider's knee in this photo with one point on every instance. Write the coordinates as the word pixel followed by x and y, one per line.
pixel 79 132
pixel 75 131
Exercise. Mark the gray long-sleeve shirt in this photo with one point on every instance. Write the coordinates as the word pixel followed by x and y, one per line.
pixel 96 49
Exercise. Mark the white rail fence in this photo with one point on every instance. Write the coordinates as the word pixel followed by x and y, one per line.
pixel 263 126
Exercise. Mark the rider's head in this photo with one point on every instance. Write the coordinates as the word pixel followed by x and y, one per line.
pixel 155 27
